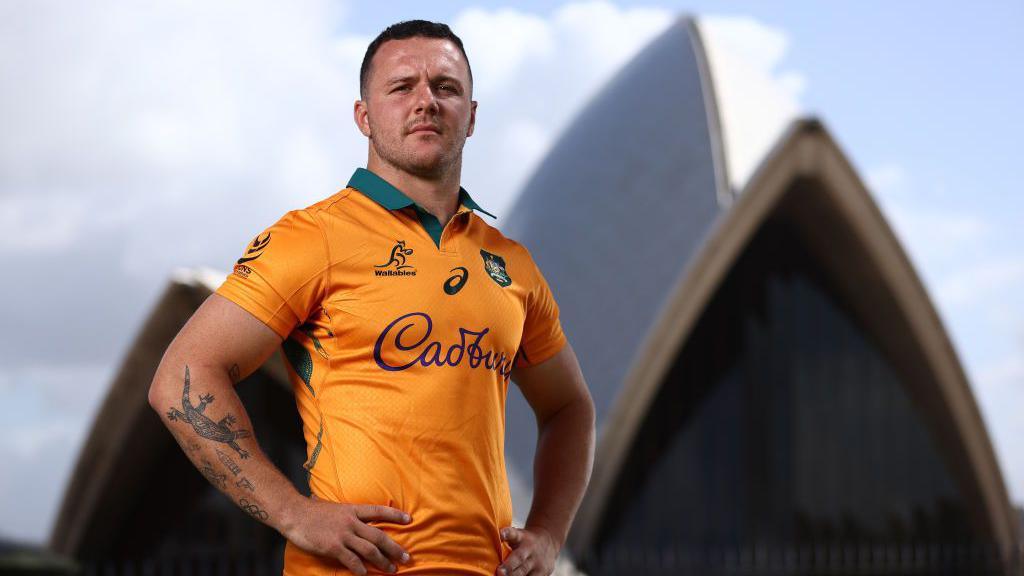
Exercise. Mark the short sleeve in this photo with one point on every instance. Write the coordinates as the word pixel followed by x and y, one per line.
pixel 542 330
pixel 280 276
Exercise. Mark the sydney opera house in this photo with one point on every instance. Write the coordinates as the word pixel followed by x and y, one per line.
pixel 775 391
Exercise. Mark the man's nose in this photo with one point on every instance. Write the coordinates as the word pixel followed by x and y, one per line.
pixel 426 100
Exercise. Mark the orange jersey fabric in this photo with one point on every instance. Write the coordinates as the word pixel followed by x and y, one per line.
pixel 400 335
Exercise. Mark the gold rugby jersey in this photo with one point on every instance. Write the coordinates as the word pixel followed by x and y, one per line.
pixel 400 335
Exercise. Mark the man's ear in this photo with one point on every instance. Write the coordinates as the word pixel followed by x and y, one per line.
pixel 361 116
pixel 472 118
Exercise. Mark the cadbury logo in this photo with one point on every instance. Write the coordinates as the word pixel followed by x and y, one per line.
pixel 420 351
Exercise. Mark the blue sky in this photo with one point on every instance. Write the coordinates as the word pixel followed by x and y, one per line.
pixel 138 140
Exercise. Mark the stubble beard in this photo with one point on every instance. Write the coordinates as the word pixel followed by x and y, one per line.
pixel 434 168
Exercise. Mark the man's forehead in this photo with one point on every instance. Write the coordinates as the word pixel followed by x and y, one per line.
pixel 396 57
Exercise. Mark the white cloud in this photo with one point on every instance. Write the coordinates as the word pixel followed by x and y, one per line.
pixel 31 485
pixel 937 236
pixel 159 118
pixel 495 64
pixel 40 439
pixel 978 282
pixel 887 179
pixel 1006 374
pixel 40 223
pixel 756 100
pixel 532 82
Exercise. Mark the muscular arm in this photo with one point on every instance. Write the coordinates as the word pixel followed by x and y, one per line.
pixel 217 347
pixel 558 394
pixel 220 345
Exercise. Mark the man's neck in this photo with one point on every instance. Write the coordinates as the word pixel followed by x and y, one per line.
pixel 439 196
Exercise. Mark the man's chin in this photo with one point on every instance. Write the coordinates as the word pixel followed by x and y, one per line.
pixel 427 162
pixel 427 165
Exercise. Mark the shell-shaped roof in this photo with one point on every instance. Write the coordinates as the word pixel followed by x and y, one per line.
pixel 623 200
pixel 634 218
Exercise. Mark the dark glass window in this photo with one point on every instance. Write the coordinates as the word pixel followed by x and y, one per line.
pixel 782 441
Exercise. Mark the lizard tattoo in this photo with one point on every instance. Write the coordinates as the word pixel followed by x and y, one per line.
pixel 203 425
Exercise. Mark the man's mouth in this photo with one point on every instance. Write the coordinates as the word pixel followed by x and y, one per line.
pixel 425 128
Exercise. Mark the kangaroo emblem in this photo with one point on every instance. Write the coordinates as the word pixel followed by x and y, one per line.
pixel 203 425
pixel 398 254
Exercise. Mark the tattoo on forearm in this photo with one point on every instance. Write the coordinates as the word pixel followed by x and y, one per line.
pixel 193 446
pixel 218 480
pixel 253 510
pixel 219 431
pixel 228 463
pixel 244 483
pixel 233 373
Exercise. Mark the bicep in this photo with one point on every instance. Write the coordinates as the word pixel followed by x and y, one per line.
pixel 222 335
pixel 552 384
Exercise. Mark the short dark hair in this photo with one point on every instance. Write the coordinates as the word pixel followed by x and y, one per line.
pixel 401 31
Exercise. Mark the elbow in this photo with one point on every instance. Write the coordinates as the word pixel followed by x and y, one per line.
pixel 587 407
pixel 158 393
pixel 155 395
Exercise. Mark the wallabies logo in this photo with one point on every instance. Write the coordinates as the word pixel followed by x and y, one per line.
pixel 396 266
pixel 494 265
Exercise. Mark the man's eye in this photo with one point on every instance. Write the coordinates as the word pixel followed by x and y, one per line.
pixel 448 87
pixel 401 89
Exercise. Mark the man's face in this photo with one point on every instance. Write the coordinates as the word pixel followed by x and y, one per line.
pixel 417 112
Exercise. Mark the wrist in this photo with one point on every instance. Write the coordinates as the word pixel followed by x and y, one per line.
pixel 291 514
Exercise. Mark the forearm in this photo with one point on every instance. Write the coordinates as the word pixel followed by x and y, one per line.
pixel 561 468
pixel 212 427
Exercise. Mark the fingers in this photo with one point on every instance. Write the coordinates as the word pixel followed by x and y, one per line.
pixel 512 535
pixel 518 563
pixel 514 565
pixel 342 533
pixel 386 513
pixel 386 545
pixel 372 544
pixel 352 562
pixel 370 553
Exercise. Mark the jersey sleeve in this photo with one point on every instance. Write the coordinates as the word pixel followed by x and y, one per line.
pixel 280 276
pixel 542 330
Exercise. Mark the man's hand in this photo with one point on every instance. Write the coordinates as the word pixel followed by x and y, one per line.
pixel 534 552
pixel 340 531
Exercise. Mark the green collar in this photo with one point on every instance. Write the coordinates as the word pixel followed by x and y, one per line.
pixel 383 193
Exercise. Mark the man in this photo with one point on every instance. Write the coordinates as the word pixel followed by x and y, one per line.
pixel 402 315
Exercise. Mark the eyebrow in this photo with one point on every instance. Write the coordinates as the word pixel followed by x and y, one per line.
pixel 398 79
pixel 412 78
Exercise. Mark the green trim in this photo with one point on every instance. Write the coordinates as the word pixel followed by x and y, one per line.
pixel 379 190
pixel 383 193
pixel 471 204
pixel 301 361
pixel 430 223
